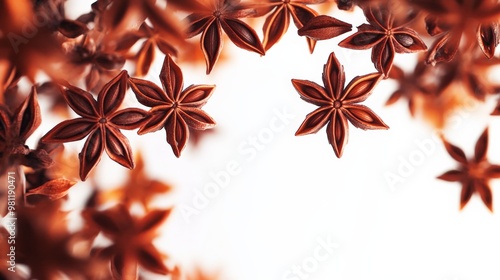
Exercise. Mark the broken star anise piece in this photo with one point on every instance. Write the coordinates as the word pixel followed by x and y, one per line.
pixel 337 105
pixel 474 174
pixel 101 121
pixel 220 15
pixel 385 36
pixel 173 108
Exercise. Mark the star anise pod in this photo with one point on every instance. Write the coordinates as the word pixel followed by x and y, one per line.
pixel 15 129
pixel 5 253
pixel 324 27
pixel 338 104
pixel 278 19
pixel 173 108
pixel 117 18
pixel 385 36
pixel 101 121
pixel 132 240
pixel 139 188
pixel 222 15
pixel 43 228
pixel 146 54
pixel 469 21
pixel 474 174
pixel 91 57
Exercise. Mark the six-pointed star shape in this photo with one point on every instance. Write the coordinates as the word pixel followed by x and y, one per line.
pixel 101 121
pixel 337 105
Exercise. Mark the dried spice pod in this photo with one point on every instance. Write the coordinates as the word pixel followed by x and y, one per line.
pixel 217 16
pixel 324 27
pixel 101 121
pixel 385 37
pixel 338 104
pixel 461 23
pixel 474 174
pixel 131 239
pixel 174 108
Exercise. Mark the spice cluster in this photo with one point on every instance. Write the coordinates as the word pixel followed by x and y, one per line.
pixel 85 67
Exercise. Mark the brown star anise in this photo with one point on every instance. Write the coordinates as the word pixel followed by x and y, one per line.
pixel 15 128
pixel 324 27
pixel 385 36
pixel 132 240
pixel 146 54
pixel 90 57
pixel 337 105
pixel 101 121
pixel 218 15
pixel 473 174
pixel 43 228
pixel 471 22
pixel 173 108
pixel 278 20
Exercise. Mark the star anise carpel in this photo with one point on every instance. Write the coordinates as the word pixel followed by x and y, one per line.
pixel 386 36
pixel 337 104
pixel 100 120
pixel 174 108
pixel 222 15
pixel 324 27
pixel 475 173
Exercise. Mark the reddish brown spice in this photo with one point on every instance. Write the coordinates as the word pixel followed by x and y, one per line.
pixel 338 104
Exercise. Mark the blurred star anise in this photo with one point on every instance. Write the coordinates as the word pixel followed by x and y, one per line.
pixel 101 121
pixel 474 174
pixel 385 36
pixel 139 188
pixel 146 54
pixel 218 15
pixel 173 108
pixel 15 128
pixel 471 22
pixel 337 105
